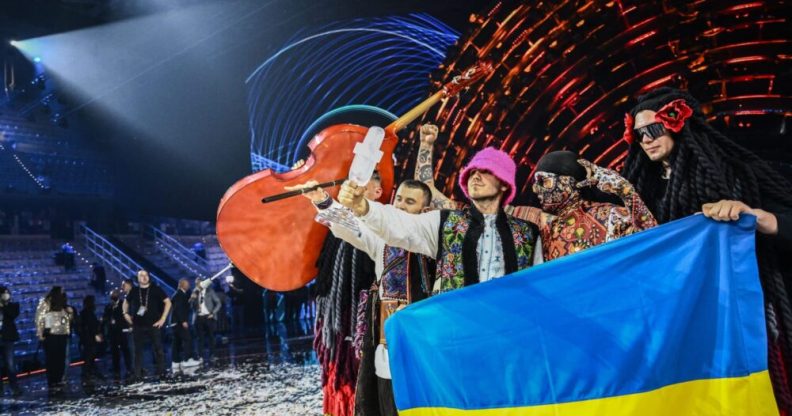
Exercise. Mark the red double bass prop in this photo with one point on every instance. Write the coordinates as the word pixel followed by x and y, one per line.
pixel 276 245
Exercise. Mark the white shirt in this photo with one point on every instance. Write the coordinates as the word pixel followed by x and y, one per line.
pixel 202 309
pixel 490 251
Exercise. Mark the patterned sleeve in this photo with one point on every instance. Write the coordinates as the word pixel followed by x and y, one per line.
pixel 531 214
pixel 638 217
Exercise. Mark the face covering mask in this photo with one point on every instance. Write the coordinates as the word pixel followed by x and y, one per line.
pixel 554 191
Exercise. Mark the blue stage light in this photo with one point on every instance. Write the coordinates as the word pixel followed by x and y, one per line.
pixel 383 64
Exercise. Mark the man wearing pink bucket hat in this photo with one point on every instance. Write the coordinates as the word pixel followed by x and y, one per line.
pixel 471 245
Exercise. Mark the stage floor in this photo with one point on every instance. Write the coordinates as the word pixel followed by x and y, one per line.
pixel 272 371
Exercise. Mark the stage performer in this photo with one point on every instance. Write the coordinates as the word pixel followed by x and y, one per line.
pixel 402 278
pixel 471 245
pixel 681 165
pixel 344 272
pixel 571 218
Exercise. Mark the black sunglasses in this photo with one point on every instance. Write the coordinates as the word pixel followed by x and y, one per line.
pixel 653 131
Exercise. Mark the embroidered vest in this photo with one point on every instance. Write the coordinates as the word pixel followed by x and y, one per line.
pixel 394 274
pixel 457 262
pixel 399 267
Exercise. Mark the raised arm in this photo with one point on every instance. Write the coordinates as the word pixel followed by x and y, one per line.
pixel 424 171
pixel 608 181
pixel 332 215
pixel 417 233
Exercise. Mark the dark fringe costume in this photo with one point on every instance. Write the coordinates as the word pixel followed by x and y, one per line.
pixel 343 272
pixel 707 167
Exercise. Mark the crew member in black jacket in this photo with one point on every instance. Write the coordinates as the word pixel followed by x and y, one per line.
pixel 117 331
pixel 90 336
pixel 9 311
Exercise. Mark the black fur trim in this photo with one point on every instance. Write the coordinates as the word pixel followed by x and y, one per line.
pixel 470 246
pixel 507 241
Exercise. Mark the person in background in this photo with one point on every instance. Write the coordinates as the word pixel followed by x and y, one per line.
pixel 182 352
pixel 222 323
pixel 199 250
pixel 270 306
pixel 54 321
pixel 146 308
pixel 9 311
pixel 236 293
pixel 68 257
pixel 206 305
pixel 114 327
pixel 126 287
pixel 99 280
pixel 90 336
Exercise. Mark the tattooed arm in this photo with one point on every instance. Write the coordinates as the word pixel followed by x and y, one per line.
pixel 424 171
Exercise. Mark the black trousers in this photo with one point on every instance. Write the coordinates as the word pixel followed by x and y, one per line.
pixel 153 336
pixel 88 355
pixel 237 313
pixel 182 348
pixel 119 346
pixel 55 357
pixel 8 361
pixel 204 328
pixel 387 404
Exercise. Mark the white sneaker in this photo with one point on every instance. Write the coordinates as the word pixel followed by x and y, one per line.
pixel 176 367
pixel 190 363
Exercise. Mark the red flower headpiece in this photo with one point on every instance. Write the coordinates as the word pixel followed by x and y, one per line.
pixel 674 114
pixel 629 123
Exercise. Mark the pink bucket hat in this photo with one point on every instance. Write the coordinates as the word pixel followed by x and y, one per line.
pixel 496 162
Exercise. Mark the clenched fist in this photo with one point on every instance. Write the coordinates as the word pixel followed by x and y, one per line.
pixel 606 180
pixel 429 134
pixel 351 196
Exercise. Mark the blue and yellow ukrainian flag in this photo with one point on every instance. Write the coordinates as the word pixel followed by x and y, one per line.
pixel 667 322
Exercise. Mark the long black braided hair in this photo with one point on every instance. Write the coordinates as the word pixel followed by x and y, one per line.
pixel 707 166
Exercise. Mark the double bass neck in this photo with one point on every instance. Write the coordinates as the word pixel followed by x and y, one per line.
pixel 403 121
